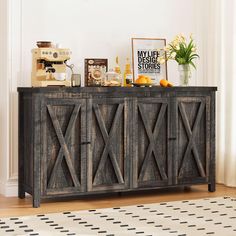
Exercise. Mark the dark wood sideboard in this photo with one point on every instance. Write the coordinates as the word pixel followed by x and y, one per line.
pixel 81 141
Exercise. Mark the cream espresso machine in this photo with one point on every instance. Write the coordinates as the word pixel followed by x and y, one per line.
pixel 49 67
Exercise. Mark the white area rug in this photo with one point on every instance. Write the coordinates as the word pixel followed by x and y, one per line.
pixel 213 216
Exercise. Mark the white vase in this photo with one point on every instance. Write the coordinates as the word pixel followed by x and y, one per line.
pixel 184 74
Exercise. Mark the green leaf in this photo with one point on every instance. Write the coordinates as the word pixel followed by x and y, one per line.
pixel 191 63
pixel 184 55
pixel 189 49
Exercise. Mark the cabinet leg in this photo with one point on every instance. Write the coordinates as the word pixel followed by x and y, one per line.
pixel 187 188
pixel 36 202
pixel 21 189
pixel 212 187
pixel 21 193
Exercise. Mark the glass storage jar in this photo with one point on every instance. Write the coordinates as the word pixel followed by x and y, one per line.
pixel 112 79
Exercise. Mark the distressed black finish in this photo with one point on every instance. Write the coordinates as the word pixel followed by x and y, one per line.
pixel 77 141
pixel 150 142
pixel 108 134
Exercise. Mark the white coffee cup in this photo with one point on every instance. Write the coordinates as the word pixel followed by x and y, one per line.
pixel 60 76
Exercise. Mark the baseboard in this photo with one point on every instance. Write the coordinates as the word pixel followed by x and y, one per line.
pixel 9 188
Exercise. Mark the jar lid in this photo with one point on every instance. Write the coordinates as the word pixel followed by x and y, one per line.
pixel 111 72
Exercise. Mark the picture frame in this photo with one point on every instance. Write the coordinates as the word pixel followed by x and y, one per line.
pixel 145 52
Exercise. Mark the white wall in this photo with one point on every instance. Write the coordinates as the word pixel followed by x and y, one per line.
pixel 3 73
pixel 89 28
pixel 10 15
pixel 103 28
pixel 5 178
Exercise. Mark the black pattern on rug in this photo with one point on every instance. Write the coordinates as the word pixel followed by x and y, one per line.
pixel 211 216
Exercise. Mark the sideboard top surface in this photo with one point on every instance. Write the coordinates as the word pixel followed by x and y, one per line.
pixel 54 89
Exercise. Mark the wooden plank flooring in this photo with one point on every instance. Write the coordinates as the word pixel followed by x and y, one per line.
pixel 12 206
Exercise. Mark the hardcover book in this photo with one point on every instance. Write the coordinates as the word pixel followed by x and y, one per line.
pixel 95 70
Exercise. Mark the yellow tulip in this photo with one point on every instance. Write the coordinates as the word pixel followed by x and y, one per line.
pixel 173 55
pixel 166 48
pixel 162 61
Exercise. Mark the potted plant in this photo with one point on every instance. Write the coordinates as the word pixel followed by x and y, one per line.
pixel 184 53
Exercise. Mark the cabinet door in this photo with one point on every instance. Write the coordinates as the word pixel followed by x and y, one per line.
pixel 151 162
pixel 63 135
pixel 192 150
pixel 108 129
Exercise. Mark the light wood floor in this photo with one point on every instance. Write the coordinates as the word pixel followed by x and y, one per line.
pixel 12 206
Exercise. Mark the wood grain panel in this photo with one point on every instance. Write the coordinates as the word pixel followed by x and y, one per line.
pixel 63 129
pixel 193 138
pixel 151 142
pixel 108 122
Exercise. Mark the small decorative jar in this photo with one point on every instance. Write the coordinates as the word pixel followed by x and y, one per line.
pixel 112 79
pixel 184 74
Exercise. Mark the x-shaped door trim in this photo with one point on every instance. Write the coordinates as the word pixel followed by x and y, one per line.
pixel 152 146
pixel 64 151
pixel 107 139
pixel 191 135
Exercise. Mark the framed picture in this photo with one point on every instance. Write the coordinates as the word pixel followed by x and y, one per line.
pixel 94 71
pixel 145 52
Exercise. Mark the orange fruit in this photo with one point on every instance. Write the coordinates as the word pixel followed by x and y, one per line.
pixel 148 79
pixel 163 83
pixel 141 80
pixel 141 76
